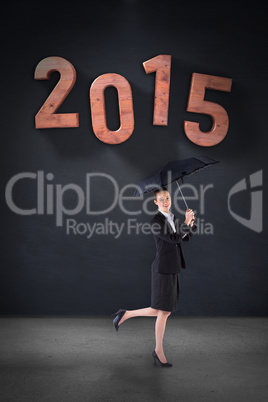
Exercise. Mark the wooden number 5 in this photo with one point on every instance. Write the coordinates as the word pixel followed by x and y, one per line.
pixel 197 104
pixel 46 117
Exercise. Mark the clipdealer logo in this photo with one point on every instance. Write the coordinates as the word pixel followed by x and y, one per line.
pixel 46 191
pixel 50 201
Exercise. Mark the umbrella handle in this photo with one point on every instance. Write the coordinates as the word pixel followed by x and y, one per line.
pixel 183 197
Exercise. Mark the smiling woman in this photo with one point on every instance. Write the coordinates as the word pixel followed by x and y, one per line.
pixel 165 282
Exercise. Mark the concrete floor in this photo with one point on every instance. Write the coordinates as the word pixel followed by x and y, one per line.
pixel 84 359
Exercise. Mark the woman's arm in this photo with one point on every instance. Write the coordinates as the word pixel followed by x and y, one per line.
pixel 161 230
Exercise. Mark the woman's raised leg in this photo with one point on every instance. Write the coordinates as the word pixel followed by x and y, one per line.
pixel 141 312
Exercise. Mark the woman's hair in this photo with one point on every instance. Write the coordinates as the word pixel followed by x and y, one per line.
pixel 158 190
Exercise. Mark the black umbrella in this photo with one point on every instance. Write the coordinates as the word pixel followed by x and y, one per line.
pixel 173 171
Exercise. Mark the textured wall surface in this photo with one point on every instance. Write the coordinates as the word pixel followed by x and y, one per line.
pixel 45 269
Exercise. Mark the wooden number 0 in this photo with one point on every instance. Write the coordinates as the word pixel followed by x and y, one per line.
pixel 98 111
pixel 46 117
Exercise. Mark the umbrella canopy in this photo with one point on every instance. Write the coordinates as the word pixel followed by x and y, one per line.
pixel 173 171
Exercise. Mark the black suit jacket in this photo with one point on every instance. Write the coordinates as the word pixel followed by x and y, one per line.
pixel 169 256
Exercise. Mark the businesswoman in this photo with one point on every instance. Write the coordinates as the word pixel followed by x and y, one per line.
pixel 165 283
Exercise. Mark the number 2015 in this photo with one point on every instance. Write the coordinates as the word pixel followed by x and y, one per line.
pixel 161 65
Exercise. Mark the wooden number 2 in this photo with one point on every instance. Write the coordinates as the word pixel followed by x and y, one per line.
pixel 160 64
pixel 98 111
pixel 197 104
pixel 46 117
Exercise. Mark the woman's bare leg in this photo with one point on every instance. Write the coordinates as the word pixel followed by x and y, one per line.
pixel 160 325
pixel 148 311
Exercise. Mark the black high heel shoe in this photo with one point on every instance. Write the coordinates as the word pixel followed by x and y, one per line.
pixel 119 314
pixel 156 358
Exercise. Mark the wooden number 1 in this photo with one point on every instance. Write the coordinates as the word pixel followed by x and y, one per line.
pixel 98 112
pixel 197 104
pixel 46 117
pixel 160 64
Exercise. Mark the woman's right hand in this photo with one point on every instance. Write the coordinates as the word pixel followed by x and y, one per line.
pixel 189 217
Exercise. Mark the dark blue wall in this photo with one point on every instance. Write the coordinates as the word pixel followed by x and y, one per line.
pixel 46 271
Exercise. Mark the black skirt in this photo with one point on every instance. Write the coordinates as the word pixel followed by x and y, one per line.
pixel 165 290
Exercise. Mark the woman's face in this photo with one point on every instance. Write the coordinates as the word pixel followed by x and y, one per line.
pixel 163 201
